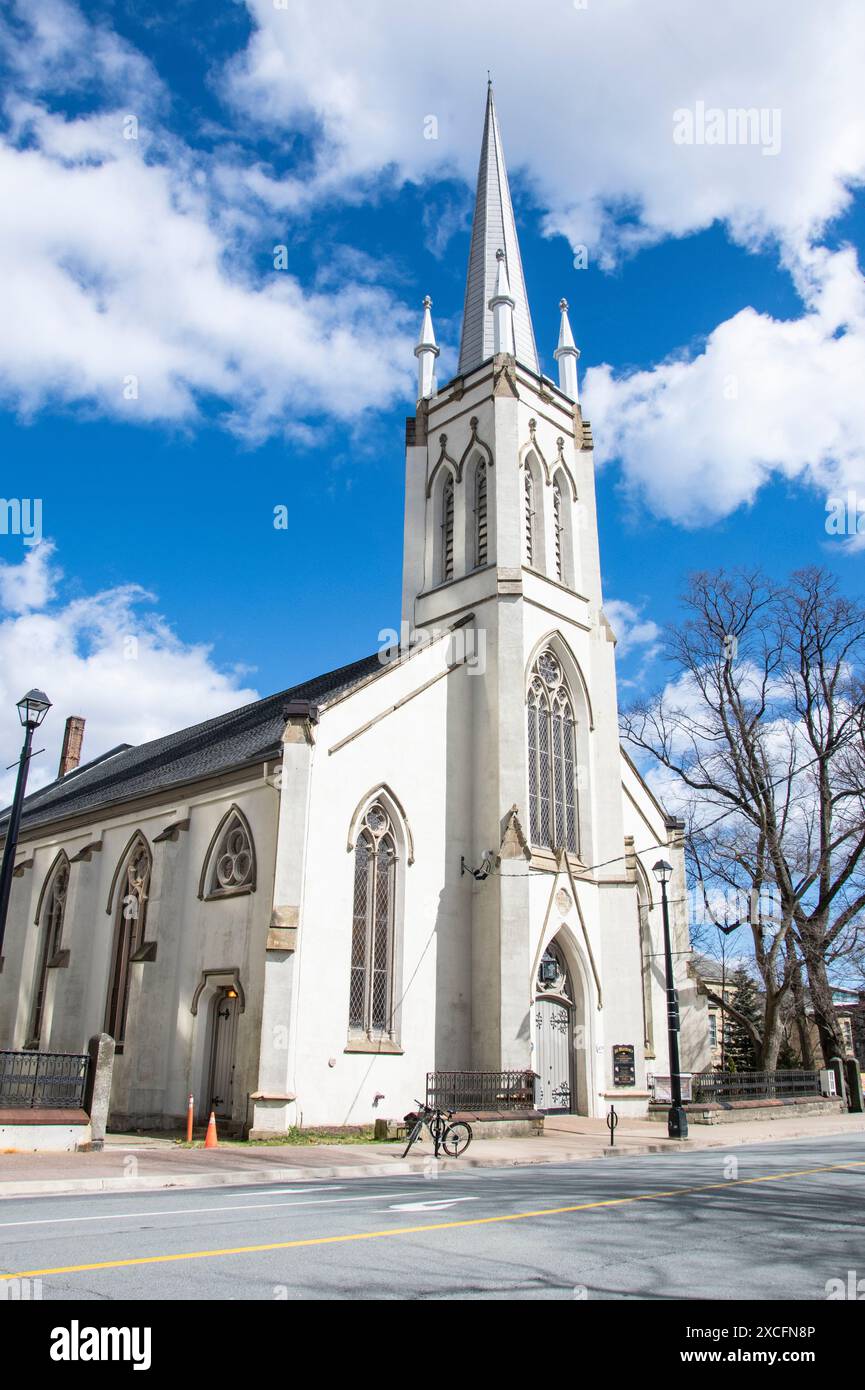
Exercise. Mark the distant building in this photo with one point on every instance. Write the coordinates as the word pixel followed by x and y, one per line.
pixel 714 1022
pixel 850 1012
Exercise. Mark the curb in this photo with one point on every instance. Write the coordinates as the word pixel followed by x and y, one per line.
pixel 255 1177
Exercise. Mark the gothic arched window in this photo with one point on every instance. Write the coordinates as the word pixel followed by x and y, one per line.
pixel 552 746
pixel 132 888
pixel 448 529
pixel 50 934
pixel 529 504
pixel 481 539
pixel 370 1008
pixel 229 865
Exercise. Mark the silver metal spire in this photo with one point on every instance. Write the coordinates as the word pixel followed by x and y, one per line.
pixel 493 227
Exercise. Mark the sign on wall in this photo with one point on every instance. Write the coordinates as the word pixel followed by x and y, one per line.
pixel 624 1070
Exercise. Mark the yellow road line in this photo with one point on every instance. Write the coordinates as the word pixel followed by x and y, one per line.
pixel 432 1226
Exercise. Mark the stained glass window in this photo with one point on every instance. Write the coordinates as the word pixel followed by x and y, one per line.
pixel 51 928
pixel 132 893
pixel 553 772
pixel 370 1007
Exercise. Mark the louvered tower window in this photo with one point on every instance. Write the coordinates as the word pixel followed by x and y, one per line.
pixel 481 548
pixel 553 809
pixel 448 529
pixel 530 518
pixel 559 526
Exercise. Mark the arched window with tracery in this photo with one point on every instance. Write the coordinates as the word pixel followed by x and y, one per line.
pixel 481 534
pixel 370 1010
pixel 448 529
pixel 552 747
pixel 50 935
pixel 132 889
pixel 229 865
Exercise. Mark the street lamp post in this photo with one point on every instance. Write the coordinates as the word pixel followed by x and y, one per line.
pixel 677 1120
pixel 32 709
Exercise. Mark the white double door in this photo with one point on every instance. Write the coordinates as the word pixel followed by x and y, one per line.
pixel 554 1055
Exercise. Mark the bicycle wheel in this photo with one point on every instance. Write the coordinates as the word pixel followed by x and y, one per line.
pixel 418 1126
pixel 456 1138
pixel 437 1127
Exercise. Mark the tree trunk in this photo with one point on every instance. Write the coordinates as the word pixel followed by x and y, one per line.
pixel 828 1029
pixel 772 1035
pixel 803 1032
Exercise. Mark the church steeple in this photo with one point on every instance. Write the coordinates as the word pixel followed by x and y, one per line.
pixel 494 229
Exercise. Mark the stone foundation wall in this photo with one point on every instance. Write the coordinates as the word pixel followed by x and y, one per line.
pixel 734 1111
pixel 489 1124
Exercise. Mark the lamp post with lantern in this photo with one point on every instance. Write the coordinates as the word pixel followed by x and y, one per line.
pixel 32 709
pixel 677 1120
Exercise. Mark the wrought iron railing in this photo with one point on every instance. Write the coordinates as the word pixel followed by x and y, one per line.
pixel 43 1080
pixel 753 1085
pixel 481 1090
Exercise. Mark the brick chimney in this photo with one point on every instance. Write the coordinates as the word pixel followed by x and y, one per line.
pixel 72 741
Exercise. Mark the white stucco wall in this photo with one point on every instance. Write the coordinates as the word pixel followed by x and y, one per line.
pixel 165 1056
pixel 420 752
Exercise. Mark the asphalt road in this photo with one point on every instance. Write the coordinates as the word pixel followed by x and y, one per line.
pixel 772 1221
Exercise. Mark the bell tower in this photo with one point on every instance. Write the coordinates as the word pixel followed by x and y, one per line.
pixel 501 540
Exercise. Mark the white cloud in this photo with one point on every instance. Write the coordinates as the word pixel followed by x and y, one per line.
pixel 128 281
pixel 587 100
pixel 108 656
pixel 30 584
pixel 49 45
pixel 697 437
pixel 632 630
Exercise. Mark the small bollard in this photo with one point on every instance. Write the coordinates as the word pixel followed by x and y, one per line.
pixel 189 1113
pixel 612 1121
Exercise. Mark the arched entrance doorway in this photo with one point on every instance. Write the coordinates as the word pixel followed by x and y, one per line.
pixel 554 1012
pixel 223 1031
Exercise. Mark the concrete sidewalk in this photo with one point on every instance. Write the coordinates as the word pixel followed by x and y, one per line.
pixel 139 1163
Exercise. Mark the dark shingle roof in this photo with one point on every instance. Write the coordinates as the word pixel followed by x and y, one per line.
pixel 709 969
pixel 203 750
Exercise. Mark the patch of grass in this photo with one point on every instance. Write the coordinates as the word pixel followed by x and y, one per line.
pixel 344 1134
pixel 294 1137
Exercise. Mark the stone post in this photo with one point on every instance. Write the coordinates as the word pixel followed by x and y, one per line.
pixel 97 1097
pixel 836 1064
pixel 854 1085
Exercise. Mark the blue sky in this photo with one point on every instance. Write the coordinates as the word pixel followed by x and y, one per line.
pixel 304 128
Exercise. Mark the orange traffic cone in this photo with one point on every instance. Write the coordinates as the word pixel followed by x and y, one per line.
pixel 210 1138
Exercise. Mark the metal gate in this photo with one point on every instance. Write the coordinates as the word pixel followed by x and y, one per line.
pixel 553 1044
pixel 222 1053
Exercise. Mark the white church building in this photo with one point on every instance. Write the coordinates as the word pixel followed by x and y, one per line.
pixel 436 859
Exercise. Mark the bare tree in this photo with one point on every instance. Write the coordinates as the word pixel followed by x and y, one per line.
pixel 762 732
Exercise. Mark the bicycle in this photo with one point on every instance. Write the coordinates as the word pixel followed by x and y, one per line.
pixel 454 1136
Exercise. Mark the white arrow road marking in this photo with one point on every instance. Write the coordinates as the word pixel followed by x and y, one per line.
pixel 190 1211
pixel 429 1206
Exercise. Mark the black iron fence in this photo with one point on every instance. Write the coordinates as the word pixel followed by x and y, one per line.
pixel 481 1090
pixel 43 1080
pixel 753 1085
